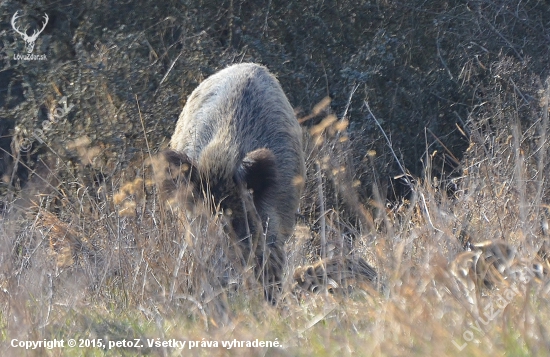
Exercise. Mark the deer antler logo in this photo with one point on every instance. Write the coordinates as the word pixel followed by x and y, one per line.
pixel 29 40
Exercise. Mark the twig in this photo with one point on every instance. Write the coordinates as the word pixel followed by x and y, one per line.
pixel 144 132
pixel 390 146
pixel 264 29
pixel 348 104
pixel 455 160
pixel 518 91
pixel 167 73
pixel 500 35
pixel 183 248
pixel 543 129
pixel 428 213
pixel 322 210
pixel 441 58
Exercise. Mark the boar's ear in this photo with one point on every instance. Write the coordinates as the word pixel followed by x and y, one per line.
pixel 259 171
pixel 178 168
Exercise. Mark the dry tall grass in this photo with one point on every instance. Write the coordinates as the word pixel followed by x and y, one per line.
pixel 461 264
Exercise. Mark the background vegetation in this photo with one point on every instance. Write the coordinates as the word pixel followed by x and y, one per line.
pixel 460 89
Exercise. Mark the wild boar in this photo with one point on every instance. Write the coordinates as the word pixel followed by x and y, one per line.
pixel 241 146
